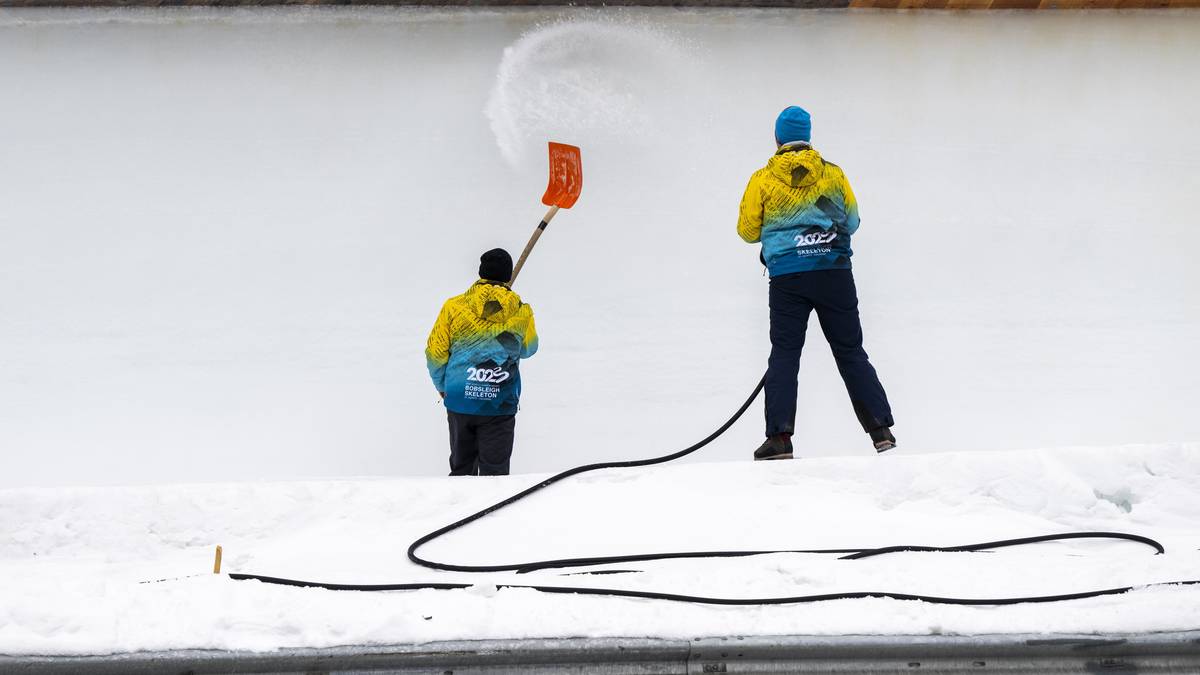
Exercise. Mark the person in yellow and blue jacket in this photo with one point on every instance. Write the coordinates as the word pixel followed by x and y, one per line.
pixel 801 210
pixel 473 355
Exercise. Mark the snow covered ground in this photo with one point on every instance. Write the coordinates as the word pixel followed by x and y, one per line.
pixel 72 560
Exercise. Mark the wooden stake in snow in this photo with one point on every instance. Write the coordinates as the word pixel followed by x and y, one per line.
pixel 217 562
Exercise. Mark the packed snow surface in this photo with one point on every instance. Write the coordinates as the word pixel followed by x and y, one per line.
pixel 225 234
pixel 73 562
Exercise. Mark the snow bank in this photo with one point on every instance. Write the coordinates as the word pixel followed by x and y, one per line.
pixel 73 561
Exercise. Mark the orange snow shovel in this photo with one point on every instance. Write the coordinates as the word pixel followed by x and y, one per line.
pixel 566 180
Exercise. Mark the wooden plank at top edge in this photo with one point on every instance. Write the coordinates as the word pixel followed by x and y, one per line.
pixel 797 4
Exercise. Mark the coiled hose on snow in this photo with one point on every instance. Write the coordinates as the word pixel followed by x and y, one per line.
pixel 847 554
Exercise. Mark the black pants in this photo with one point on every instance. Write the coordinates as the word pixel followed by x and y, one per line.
pixel 480 445
pixel 832 294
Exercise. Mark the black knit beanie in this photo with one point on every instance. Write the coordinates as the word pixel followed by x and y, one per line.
pixel 496 265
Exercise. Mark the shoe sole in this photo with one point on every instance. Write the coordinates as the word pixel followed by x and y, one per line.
pixel 885 446
pixel 767 459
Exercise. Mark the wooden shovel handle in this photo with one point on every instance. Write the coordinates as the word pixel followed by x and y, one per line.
pixel 532 240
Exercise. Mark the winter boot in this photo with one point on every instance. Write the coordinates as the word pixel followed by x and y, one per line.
pixel 883 439
pixel 778 446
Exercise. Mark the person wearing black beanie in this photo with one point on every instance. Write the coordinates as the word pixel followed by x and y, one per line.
pixel 473 354
pixel 496 265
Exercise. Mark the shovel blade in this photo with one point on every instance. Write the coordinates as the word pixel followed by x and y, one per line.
pixel 566 176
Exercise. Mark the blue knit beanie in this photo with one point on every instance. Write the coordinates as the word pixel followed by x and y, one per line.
pixel 793 124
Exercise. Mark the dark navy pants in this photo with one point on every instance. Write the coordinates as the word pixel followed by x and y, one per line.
pixel 832 294
pixel 480 445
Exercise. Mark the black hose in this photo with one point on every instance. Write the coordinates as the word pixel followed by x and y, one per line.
pixel 653 595
pixel 853 554
pixel 412 549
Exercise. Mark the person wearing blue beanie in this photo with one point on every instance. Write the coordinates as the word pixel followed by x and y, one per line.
pixel 793 124
pixel 802 211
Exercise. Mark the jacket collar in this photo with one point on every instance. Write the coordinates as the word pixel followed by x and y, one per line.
pixel 794 146
pixel 491 282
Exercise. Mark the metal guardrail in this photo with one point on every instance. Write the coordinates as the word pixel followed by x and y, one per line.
pixel 1147 653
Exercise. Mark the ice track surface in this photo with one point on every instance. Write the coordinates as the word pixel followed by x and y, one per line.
pixel 224 235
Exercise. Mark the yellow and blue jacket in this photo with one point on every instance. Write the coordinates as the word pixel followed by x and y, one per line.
pixel 802 210
pixel 475 348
